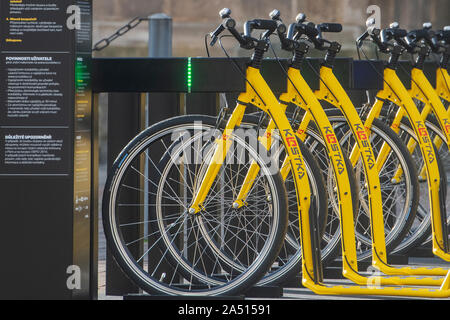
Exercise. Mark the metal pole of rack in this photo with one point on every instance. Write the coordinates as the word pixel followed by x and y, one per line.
pixel 159 46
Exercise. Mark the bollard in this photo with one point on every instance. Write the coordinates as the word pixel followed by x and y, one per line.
pixel 159 36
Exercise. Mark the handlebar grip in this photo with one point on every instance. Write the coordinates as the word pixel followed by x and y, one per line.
pixel 330 27
pixel 361 38
pixel 218 31
pixel 214 35
pixel 418 35
pixel 227 23
pixel 259 24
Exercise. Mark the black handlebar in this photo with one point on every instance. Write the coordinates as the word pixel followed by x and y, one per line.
pixel 245 40
pixel 259 24
pixel 227 24
pixel 408 40
pixel 392 34
pixel 314 32
pixel 329 27
pixel 382 37
pixel 444 35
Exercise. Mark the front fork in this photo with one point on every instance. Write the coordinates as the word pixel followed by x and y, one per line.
pixel 265 100
pixel 223 144
pixel 309 101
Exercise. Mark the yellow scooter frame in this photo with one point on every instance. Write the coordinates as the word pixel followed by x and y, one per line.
pixel 300 94
pixel 422 90
pixel 395 92
pixel 266 101
pixel 443 84
pixel 331 91
pixel 443 92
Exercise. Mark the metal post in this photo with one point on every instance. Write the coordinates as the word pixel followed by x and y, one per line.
pixel 159 46
pixel 162 105
pixel 160 36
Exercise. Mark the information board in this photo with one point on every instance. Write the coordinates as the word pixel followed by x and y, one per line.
pixel 45 138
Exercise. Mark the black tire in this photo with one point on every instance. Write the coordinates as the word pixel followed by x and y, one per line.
pixel 156 282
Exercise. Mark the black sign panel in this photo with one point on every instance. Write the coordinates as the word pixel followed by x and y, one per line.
pixel 45 146
pixel 36 87
pixel 32 25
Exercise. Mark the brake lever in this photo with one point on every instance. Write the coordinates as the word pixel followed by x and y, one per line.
pixel 224 14
pixel 215 34
pixel 361 39
pixel 286 43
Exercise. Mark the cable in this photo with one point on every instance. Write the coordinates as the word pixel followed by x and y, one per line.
pixel 378 73
pixel 284 70
pixel 440 70
pixel 239 68
pixel 206 45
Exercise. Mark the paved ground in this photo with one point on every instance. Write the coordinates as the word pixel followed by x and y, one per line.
pixel 300 293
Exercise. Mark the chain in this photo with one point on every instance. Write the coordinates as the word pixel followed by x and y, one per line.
pixel 102 44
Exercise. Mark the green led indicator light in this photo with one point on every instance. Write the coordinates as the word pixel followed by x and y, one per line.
pixel 189 74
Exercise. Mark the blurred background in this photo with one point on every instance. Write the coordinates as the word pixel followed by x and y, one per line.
pixel 192 19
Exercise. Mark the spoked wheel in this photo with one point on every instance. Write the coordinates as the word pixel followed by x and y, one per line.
pixel 399 196
pixel 165 249
pixel 288 262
